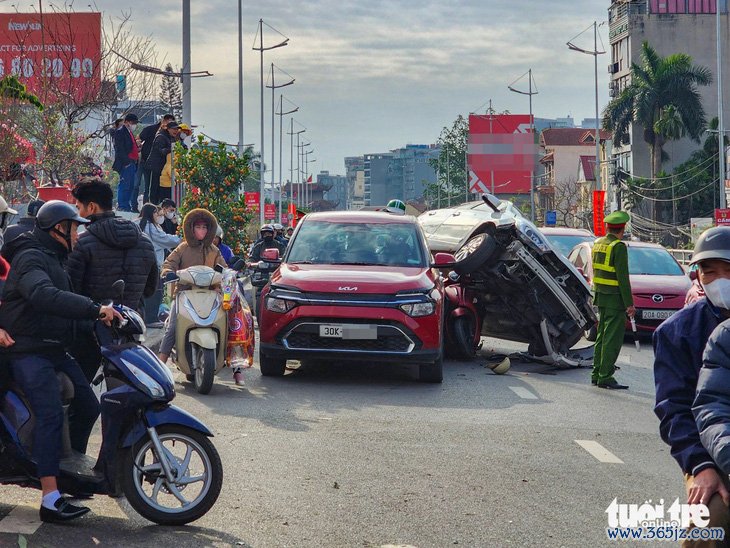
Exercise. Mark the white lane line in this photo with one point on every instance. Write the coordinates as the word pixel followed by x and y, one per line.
pixel 600 453
pixel 523 393
pixel 22 520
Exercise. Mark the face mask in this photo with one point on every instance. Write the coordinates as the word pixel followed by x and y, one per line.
pixel 159 219
pixel 170 215
pixel 200 232
pixel 132 126
pixel 718 292
pixel 188 141
pixel 268 238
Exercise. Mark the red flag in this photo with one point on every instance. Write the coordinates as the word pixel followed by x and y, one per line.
pixel 310 179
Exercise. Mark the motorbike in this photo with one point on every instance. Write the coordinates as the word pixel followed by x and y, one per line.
pixel 157 455
pixel 261 272
pixel 202 331
pixel 464 317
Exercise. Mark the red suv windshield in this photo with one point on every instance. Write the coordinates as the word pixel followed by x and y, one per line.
pixel 374 244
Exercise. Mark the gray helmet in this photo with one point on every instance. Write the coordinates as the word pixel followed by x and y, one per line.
pixel 713 243
pixel 54 212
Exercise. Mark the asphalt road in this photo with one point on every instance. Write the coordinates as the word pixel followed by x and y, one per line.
pixel 367 456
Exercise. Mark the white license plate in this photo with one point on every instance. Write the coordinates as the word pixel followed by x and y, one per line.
pixel 349 331
pixel 656 314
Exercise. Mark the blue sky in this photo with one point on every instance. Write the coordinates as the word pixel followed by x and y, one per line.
pixel 376 75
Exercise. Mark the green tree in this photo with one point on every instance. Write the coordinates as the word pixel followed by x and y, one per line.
pixel 656 85
pixel 170 94
pixel 450 166
pixel 11 89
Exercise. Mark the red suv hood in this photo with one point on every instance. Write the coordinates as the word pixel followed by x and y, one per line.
pixel 322 278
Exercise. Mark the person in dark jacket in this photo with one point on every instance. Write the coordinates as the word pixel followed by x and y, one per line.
pixel 111 249
pixel 37 314
pixel 126 156
pixel 25 223
pixel 161 147
pixel 169 209
pixel 267 241
pixel 147 136
pixel 679 343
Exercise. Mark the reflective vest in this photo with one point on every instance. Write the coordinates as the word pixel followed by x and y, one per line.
pixel 604 273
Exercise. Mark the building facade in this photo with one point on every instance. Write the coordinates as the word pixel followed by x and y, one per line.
pixel 669 26
pixel 402 173
pixel 338 193
pixel 355 174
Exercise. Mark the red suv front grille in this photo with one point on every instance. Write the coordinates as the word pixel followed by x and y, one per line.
pixel 390 339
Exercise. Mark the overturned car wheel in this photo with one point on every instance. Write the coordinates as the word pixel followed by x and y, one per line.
pixel 474 253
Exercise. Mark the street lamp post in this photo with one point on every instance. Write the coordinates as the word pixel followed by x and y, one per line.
pixel 720 119
pixel 273 87
pixel 529 93
pixel 262 170
pixel 186 114
pixel 307 161
pixel 300 170
pixel 292 133
pixel 281 114
pixel 595 53
pixel 240 78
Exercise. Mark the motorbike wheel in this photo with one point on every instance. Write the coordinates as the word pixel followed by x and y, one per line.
pixel 272 367
pixel 431 372
pixel 204 368
pixel 462 331
pixel 194 462
pixel 474 253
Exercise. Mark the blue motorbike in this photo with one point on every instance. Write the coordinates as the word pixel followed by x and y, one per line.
pixel 155 454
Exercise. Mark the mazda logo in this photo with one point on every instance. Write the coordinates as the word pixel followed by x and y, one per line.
pixel 657 298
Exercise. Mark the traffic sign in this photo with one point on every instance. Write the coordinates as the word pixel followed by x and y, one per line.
pixel 551 218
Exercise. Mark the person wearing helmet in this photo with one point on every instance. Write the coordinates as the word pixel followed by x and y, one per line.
pixel 267 241
pixel 24 224
pixel 5 213
pixel 679 343
pixel 226 251
pixel 279 234
pixel 396 206
pixel 37 314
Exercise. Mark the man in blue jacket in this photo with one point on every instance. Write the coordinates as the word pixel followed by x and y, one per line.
pixel 678 346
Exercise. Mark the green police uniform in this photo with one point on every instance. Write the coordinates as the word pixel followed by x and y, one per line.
pixel 612 296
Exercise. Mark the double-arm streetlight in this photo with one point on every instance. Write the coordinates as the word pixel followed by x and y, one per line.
pixel 273 87
pixel 261 48
pixel 300 170
pixel 281 114
pixel 292 133
pixel 307 187
pixel 595 53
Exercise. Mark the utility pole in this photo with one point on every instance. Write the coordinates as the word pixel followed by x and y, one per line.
pixel 721 125
pixel 186 70
pixel 240 78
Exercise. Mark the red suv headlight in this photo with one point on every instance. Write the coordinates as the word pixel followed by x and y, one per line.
pixel 416 310
pixel 280 306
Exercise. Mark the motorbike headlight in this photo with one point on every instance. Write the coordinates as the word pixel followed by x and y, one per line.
pixel 280 306
pixel 417 310
pixel 153 387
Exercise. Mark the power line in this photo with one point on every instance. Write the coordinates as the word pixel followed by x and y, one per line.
pixel 676 199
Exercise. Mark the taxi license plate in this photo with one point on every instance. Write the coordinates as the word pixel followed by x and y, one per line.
pixel 656 314
pixel 345 331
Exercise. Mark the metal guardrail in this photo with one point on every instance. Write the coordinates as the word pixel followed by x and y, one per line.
pixel 683 256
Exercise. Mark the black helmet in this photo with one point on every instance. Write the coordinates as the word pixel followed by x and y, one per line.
pixel 54 212
pixel 713 243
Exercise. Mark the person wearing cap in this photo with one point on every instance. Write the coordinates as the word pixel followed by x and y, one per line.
pixel 126 155
pixel 25 223
pixel 147 136
pixel 186 136
pixel 612 296
pixel 37 314
pixel 5 213
pixel 679 343
pixel 161 148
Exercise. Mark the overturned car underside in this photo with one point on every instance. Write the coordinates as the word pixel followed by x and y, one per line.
pixel 527 291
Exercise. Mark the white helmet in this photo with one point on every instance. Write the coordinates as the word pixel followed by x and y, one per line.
pixel 219 232
pixel 500 368
pixel 5 208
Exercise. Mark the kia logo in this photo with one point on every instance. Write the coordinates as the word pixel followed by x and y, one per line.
pixel 347 288
pixel 657 298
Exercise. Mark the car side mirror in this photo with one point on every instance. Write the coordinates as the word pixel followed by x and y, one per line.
pixel 443 260
pixel 271 254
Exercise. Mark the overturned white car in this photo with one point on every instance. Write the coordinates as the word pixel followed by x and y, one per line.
pixel 527 291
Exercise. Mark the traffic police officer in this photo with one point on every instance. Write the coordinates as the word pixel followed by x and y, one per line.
pixel 612 296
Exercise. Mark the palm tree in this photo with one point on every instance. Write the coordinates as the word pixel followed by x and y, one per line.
pixel 663 99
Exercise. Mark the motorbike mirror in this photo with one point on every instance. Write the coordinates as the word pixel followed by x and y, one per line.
pixel 118 289
pixel 443 260
pixel 693 275
pixel 270 254
pixel 238 264
pixel 218 268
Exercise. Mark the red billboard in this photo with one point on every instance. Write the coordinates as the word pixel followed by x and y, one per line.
pixel 501 153
pixel 252 200
pixel 270 212
pixel 599 199
pixel 57 55
pixel 722 217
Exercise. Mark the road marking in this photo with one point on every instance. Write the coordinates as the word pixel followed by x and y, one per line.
pixel 600 453
pixel 22 520
pixel 523 393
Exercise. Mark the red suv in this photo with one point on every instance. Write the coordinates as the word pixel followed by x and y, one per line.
pixel 354 286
